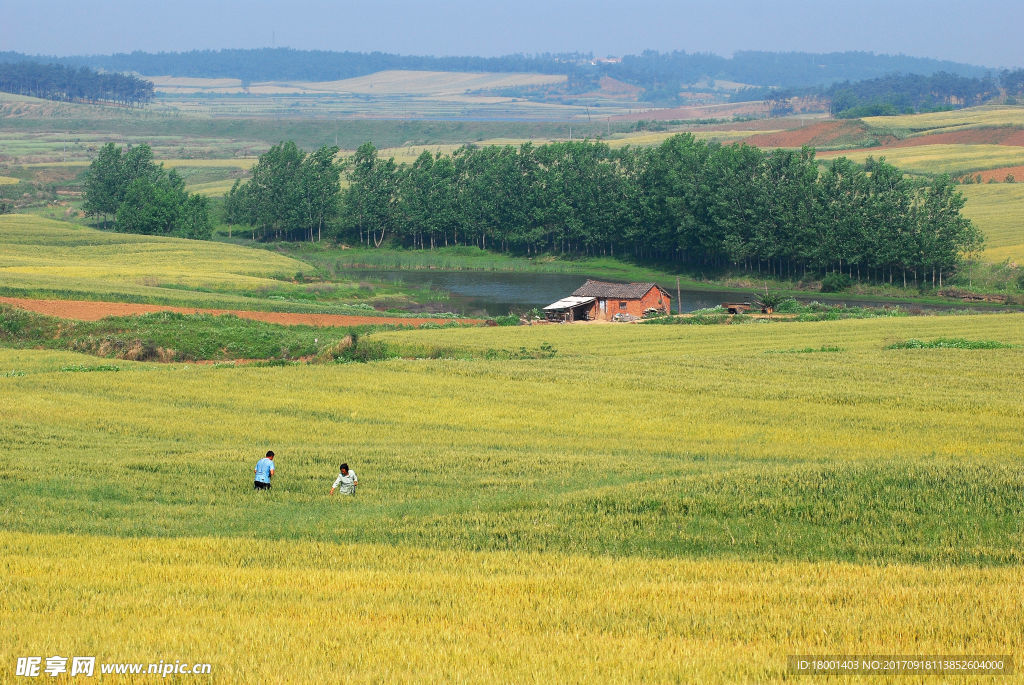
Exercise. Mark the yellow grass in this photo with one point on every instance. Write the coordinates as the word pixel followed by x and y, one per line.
pixel 276 611
pixel 998 210
pixel 954 160
pixel 971 117
pixel 37 253
pixel 8 180
pixel 212 188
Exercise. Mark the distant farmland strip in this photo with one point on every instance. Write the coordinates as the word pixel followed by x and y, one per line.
pixel 995 115
pixel 954 160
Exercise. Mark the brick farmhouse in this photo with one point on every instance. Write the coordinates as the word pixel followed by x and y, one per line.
pixel 602 301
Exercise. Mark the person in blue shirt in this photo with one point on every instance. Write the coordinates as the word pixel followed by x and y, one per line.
pixel 264 472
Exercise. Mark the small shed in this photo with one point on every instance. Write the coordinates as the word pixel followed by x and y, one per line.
pixel 632 299
pixel 569 309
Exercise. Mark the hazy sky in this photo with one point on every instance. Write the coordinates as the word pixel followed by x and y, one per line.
pixel 985 32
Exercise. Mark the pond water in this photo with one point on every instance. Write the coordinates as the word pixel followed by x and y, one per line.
pixel 495 293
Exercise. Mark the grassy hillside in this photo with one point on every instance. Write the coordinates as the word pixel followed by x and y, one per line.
pixel 661 503
pixel 998 210
pixel 45 258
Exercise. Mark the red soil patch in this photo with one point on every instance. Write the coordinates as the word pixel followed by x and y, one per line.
pixel 823 133
pixel 999 175
pixel 970 136
pixel 94 311
pixel 611 86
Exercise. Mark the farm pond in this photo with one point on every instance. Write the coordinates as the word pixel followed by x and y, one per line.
pixel 495 293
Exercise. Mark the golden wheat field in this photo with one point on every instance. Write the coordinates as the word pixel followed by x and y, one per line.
pixel 638 503
pixel 299 611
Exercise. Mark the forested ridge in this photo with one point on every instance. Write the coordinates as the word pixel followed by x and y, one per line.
pixel 909 93
pixel 81 84
pixel 654 71
pixel 685 202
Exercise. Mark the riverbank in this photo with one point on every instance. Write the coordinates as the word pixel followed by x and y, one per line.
pixel 333 260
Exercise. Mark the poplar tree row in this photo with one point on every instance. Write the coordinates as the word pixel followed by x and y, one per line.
pixel 684 202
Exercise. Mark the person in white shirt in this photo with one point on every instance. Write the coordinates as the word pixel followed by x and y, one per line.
pixel 346 480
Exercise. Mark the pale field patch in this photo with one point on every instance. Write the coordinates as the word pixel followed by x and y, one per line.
pixel 998 210
pixel 939 159
pixel 393 82
pixel 970 117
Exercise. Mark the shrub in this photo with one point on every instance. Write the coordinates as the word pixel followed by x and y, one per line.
pixel 835 282
pixel 949 343
pixel 790 306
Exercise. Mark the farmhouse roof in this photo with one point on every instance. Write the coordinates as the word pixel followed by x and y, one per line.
pixel 626 291
pixel 568 303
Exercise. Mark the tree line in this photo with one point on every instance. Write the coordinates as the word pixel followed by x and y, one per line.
pixel 71 84
pixel 292 195
pixel 685 203
pixel 909 93
pixel 143 197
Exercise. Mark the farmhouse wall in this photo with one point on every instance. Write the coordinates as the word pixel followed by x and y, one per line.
pixel 653 299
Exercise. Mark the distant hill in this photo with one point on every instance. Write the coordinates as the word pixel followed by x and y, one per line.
pixel 659 74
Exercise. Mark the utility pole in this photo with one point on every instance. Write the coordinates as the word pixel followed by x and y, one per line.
pixel 679 297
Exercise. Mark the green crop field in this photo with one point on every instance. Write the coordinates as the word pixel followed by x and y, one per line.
pixel 954 160
pixel 660 503
pixel 998 210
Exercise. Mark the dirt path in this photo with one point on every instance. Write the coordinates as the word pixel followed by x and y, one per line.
pixel 83 310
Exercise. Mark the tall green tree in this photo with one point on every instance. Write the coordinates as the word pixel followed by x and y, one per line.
pixel 320 181
pixel 104 183
pixel 371 199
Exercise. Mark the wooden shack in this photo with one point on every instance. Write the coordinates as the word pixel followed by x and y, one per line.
pixel 569 309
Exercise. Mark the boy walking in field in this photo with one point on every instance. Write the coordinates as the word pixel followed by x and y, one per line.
pixel 346 480
pixel 264 472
